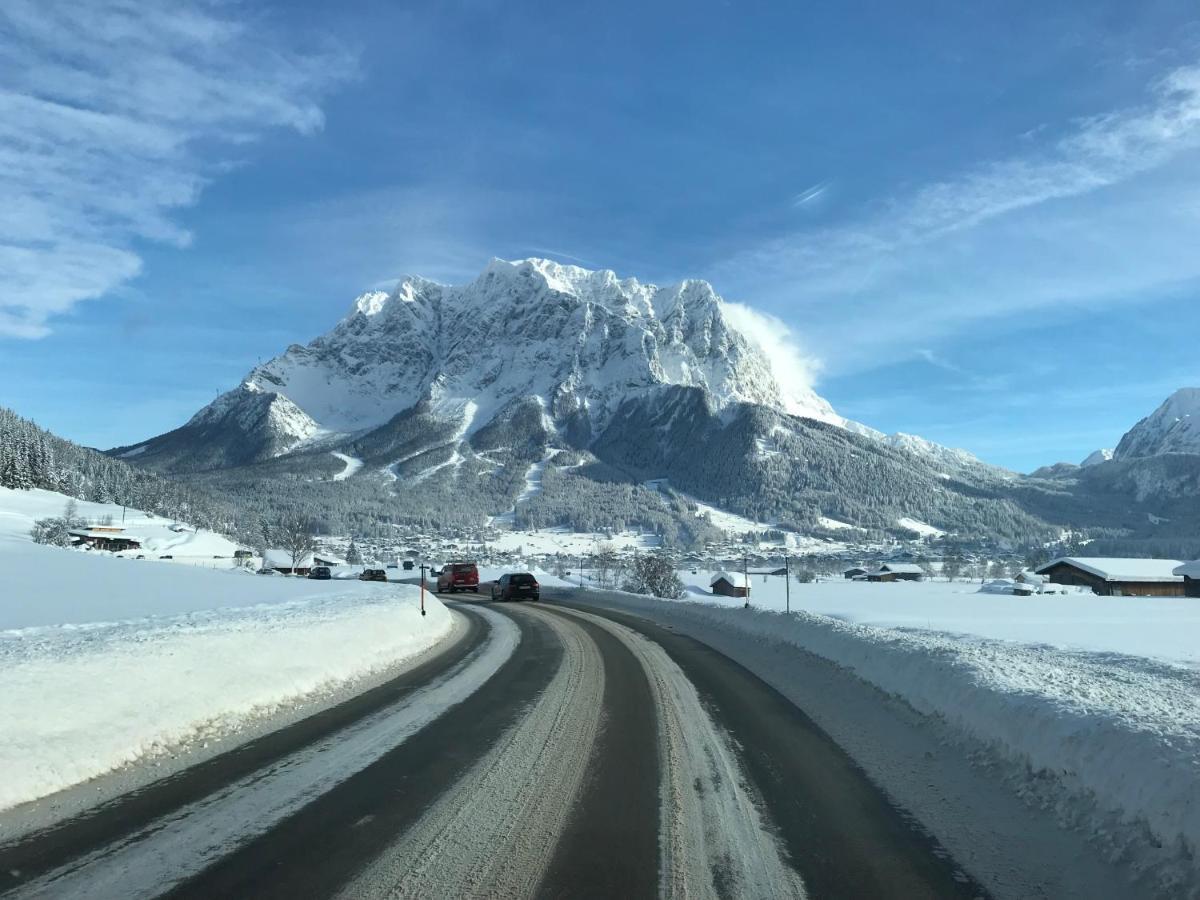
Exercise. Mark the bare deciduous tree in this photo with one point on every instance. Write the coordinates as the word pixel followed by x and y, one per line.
pixel 297 537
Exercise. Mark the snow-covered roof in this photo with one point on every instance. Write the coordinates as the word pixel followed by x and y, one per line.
pixel 1031 578
pixel 1120 568
pixel 737 579
pixel 108 534
pixel 282 559
pixel 902 568
pixel 1189 570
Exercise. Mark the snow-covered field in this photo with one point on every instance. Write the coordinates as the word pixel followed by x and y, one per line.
pixel 567 542
pixel 1164 628
pixel 108 662
pixel 160 537
pixel 1090 706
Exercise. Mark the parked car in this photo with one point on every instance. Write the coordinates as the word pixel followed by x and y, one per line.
pixel 408 564
pixel 320 573
pixel 373 575
pixel 267 572
pixel 517 586
pixel 459 576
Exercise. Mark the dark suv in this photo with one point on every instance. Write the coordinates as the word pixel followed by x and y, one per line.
pixel 516 586
pixel 320 573
pixel 459 576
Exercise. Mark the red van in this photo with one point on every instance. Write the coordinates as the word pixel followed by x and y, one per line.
pixel 459 576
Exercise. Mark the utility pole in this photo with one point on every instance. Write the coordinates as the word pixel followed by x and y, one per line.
pixel 787 582
pixel 746 578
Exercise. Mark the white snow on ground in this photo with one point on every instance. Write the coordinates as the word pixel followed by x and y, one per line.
pixel 353 464
pixel 545 579
pixel 109 661
pixel 567 542
pixel 1110 740
pixel 826 522
pixel 919 527
pixel 1164 628
pixel 19 510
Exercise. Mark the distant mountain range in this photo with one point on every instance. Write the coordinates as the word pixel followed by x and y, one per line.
pixel 545 394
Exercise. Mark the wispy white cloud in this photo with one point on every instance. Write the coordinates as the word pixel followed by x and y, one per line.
pixel 810 194
pixel 1103 213
pixel 109 115
pixel 794 368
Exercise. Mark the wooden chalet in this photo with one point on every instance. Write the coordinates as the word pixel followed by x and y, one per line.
pixel 730 584
pixel 897 572
pixel 105 537
pixel 1118 576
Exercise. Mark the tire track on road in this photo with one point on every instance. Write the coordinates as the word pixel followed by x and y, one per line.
pixel 714 839
pixel 494 833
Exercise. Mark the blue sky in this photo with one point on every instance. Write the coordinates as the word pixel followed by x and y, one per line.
pixel 978 222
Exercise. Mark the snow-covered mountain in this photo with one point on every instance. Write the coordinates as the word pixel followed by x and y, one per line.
pixel 471 390
pixel 1096 457
pixel 577 342
pixel 1172 428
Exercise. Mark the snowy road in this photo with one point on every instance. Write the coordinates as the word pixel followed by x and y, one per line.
pixel 554 751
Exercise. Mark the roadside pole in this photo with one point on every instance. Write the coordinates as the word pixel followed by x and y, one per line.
pixel 746 579
pixel 423 568
pixel 787 583
pixel 581 571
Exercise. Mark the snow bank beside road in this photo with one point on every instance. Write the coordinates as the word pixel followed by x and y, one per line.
pixel 1165 628
pixel 1110 742
pixel 81 701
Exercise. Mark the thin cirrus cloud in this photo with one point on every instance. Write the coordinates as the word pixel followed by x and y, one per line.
pixel 1103 214
pixel 103 112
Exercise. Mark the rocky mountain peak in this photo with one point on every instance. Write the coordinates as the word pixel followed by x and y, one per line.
pixel 1172 428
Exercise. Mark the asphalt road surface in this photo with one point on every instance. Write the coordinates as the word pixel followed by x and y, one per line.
pixel 557 750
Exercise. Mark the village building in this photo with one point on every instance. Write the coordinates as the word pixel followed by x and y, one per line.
pixel 855 572
pixel 281 562
pixel 1190 572
pixel 730 584
pixel 1117 576
pixel 105 537
pixel 897 572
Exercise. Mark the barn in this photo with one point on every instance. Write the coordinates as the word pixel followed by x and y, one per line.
pixel 730 584
pixel 897 572
pixel 104 538
pixel 1190 572
pixel 855 572
pixel 1117 576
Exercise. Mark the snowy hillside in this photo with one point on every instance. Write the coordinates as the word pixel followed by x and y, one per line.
pixel 1172 428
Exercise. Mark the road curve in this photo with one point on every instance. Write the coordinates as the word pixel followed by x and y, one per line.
pixel 557 751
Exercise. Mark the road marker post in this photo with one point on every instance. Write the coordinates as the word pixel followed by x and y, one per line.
pixel 423 568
